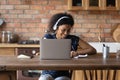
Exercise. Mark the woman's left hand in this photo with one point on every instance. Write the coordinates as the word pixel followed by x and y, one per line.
pixel 74 53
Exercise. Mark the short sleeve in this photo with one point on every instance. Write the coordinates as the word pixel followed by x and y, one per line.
pixel 48 36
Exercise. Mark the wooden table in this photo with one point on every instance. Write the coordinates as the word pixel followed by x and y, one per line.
pixel 90 62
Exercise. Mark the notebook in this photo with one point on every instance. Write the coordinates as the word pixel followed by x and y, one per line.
pixel 53 49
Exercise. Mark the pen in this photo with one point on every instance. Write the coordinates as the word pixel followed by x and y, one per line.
pixel 103 45
pixel 73 48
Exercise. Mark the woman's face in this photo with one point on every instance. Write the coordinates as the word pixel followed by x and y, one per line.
pixel 63 31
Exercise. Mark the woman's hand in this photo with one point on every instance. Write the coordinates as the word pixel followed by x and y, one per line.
pixel 74 53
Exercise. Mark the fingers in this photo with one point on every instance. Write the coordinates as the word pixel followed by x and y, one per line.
pixel 73 53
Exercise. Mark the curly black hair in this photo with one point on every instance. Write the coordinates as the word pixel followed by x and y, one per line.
pixel 69 20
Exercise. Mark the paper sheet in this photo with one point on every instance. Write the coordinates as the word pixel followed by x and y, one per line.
pixel 81 56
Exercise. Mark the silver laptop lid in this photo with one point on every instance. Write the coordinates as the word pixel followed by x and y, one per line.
pixel 55 48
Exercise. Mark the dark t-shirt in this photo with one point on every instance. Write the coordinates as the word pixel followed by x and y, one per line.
pixel 74 44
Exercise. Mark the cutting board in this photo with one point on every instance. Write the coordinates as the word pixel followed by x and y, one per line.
pixel 116 33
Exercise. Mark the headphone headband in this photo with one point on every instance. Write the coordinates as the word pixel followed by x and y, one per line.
pixel 55 26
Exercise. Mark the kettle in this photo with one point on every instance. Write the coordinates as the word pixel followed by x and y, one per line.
pixel 13 38
pixel 1 21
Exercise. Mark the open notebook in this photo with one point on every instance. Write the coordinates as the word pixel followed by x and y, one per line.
pixel 55 49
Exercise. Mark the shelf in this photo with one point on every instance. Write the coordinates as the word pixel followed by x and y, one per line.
pixel 93 4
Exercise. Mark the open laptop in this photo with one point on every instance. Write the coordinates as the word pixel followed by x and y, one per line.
pixel 53 49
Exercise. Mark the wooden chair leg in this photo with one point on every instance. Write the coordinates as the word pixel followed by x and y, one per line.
pixel 85 75
pixel 114 75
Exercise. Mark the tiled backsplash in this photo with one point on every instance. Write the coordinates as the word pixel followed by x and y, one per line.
pixel 98 46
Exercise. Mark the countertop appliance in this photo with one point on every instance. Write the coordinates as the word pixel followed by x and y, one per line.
pixel 28 42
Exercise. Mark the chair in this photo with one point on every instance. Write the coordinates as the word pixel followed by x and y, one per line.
pixel 96 75
pixel 7 75
pixel 99 74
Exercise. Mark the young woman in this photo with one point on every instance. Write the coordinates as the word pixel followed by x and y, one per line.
pixel 59 27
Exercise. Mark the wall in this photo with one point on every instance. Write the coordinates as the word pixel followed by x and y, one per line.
pixel 29 18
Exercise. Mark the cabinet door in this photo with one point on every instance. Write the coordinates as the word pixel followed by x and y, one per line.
pixel 118 4
pixel 94 4
pixel 8 75
pixel 111 4
pixel 7 51
pixel 76 4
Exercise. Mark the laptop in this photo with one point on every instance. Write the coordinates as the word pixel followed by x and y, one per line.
pixel 55 49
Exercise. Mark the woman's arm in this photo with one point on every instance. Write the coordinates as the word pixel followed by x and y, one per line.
pixel 83 48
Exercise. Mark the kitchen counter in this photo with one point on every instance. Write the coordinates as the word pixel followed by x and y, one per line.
pixel 12 48
pixel 112 45
pixel 15 45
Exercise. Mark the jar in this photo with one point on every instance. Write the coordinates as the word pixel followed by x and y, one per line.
pixel 8 35
pixel 3 37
